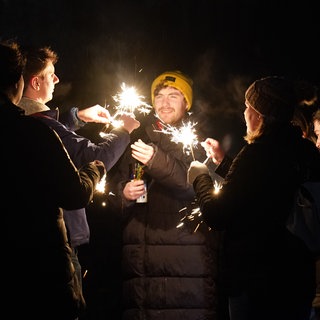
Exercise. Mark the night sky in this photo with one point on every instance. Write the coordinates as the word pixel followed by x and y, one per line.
pixel 223 45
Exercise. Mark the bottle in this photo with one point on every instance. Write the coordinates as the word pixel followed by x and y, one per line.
pixel 144 197
pixel 137 174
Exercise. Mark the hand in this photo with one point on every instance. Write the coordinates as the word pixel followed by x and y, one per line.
pixel 213 150
pixel 196 168
pixel 129 122
pixel 100 166
pixel 96 114
pixel 142 151
pixel 134 189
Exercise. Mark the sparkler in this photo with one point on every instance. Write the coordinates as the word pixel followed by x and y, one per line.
pixel 185 135
pixel 194 217
pixel 101 185
pixel 206 160
pixel 128 101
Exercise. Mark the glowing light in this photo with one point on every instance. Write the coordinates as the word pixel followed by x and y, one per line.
pixel 217 187
pixel 186 135
pixel 128 101
pixel 101 185
pixel 193 218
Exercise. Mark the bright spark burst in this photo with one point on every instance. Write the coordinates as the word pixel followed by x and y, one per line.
pixel 186 135
pixel 101 185
pixel 129 101
pixel 193 218
pixel 217 187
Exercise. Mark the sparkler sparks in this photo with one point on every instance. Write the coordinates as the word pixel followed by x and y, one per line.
pixel 128 101
pixel 193 218
pixel 101 185
pixel 217 187
pixel 186 135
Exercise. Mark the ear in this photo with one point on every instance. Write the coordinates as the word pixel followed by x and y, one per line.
pixel 35 83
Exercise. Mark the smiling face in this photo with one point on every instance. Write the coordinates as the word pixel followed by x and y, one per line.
pixel 170 105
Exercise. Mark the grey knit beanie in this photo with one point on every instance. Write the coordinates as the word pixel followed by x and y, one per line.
pixel 272 97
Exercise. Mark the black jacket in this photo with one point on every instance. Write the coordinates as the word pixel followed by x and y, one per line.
pixel 81 150
pixel 260 255
pixel 39 180
pixel 169 272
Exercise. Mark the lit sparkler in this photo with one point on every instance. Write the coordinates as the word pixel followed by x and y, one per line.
pixel 186 135
pixel 128 101
pixel 217 186
pixel 193 219
pixel 101 185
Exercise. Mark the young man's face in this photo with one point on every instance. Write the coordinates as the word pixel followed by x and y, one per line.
pixel 48 80
pixel 170 105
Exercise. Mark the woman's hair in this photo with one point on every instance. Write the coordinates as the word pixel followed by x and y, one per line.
pixel 279 101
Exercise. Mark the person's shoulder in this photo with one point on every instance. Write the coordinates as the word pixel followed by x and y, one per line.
pixel 38 129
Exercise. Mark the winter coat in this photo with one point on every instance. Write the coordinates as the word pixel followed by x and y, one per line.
pixel 260 255
pixel 81 151
pixel 169 272
pixel 36 256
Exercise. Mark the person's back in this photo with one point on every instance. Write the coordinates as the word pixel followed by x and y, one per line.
pixel 268 273
pixel 40 81
pixel 39 180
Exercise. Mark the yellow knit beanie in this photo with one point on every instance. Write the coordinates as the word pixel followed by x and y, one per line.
pixel 177 80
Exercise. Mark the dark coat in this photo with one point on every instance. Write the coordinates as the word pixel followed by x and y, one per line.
pixel 260 255
pixel 82 150
pixel 169 273
pixel 39 179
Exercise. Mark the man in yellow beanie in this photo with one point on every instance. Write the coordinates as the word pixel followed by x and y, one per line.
pixel 177 80
pixel 168 272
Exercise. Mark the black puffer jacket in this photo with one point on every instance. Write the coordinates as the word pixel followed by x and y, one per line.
pixel 260 254
pixel 39 179
pixel 169 272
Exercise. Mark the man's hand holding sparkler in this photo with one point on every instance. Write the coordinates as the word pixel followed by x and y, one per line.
pixel 213 150
pixel 96 114
pixel 142 151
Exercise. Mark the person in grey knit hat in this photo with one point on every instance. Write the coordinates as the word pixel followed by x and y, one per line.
pixel 268 273
pixel 273 97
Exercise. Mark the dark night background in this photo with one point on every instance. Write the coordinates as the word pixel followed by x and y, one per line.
pixel 223 45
